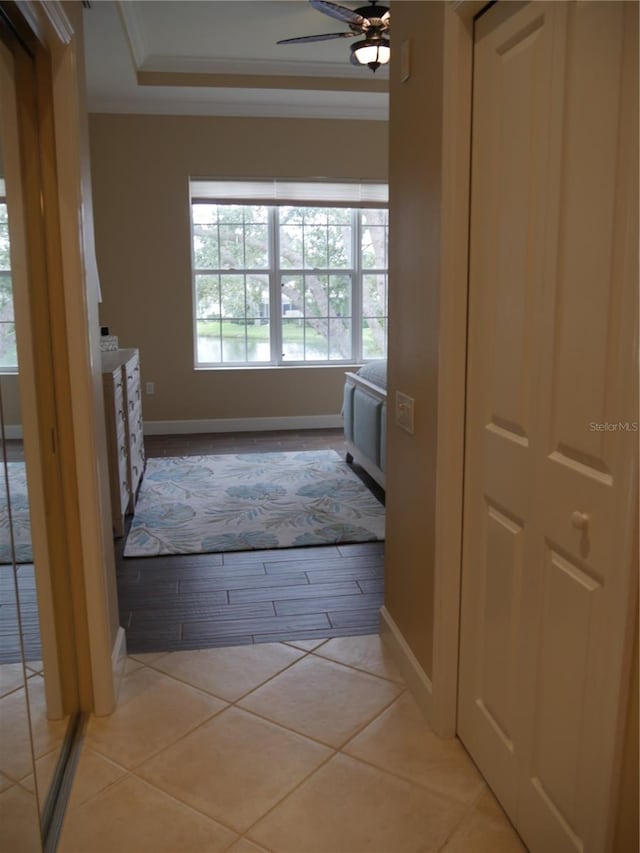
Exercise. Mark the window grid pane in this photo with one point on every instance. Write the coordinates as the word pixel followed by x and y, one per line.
pixel 232 274
pixel 316 317
pixel 8 346
pixel 315 238
pixel 374 315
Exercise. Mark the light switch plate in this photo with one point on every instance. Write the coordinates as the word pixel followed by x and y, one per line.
pixel 404 411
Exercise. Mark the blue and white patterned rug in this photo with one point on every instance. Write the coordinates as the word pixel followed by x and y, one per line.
pixel 248 501
pixel 20 521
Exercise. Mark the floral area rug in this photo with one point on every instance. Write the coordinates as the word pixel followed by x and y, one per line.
pixel 19 518
pixel 248 501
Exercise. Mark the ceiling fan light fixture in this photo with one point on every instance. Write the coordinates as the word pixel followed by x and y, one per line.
pixel 373 22
pixel 371 52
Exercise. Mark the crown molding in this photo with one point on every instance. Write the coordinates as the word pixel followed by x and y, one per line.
pixel 29 11
pixel 179 70
pixel 133 32
pixel 46 20
pixel 158 63
pixel 58 20
pixel 238 109
pixel 260 81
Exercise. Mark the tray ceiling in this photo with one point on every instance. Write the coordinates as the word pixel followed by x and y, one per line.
pixel 220 57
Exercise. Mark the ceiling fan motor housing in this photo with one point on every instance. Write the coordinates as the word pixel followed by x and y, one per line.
pixel 372 19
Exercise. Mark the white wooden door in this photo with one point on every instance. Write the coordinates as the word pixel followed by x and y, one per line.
pixel 551 453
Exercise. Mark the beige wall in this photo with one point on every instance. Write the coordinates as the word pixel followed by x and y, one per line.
pixel 415 160
pixel 140 171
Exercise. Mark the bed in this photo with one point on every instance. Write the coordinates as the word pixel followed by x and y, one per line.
pixel 365 418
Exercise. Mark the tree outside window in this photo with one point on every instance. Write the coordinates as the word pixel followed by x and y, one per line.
pixel 8 351
pixel 282 284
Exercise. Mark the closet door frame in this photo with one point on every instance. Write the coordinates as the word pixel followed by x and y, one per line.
pixel 441 707
pixel 84 596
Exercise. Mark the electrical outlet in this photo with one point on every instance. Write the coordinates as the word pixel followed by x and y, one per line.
pixel 404 411
pixel 151 388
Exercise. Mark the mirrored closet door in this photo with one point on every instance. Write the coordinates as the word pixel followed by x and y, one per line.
pixel 37 703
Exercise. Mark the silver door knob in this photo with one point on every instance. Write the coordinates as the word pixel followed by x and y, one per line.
pixel 580 520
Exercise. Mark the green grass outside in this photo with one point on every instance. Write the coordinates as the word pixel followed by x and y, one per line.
pixel 236 331
pixel 293 333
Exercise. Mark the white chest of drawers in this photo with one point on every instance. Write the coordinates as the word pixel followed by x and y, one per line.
pixel 123 412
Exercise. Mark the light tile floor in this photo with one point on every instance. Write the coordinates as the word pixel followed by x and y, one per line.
pixel 310 747
pixel 22 742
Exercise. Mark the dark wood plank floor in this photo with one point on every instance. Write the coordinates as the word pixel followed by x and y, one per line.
pixel 200 601
pixel 19 586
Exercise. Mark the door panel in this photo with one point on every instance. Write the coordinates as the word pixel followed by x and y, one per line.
pixel 587 472
pixel 503 561
pixel 551 464
pixel 570 599
pixel 509 159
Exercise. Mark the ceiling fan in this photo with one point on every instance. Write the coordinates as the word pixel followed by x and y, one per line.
pixel 373 22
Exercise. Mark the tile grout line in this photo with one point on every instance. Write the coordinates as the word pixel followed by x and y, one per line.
pixel 415 782
pixel 463 817
pixel 378 714
pixel 305 779
pixel 189 731
pixel 33 772
pixel 356 668
pixel 18 687
pixel 234 704
pixel 308 736
pixel 313 653
pixel 339 751
pixel 304 654
pixel 216 695
pixel 127 773
pixel 467 807
pixel 132 774
pixel 134 771
pixel 333 750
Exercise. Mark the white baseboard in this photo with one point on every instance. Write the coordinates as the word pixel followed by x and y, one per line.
pixel 417 680
pixel 119 659
pixel 243 425
pixel 13 431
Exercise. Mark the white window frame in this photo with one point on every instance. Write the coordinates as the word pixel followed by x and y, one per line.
pixel 7 368
pixel 274 194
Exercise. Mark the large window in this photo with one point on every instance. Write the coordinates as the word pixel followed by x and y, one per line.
pixel 281 280
pixel 8 354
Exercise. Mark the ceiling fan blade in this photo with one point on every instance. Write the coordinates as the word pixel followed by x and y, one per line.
pixel 340 13
pixel 322 37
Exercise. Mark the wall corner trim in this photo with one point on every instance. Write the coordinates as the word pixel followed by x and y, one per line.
pixel 417 680
pixel 118 662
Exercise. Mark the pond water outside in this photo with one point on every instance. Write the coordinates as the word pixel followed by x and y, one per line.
pixel 233 351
